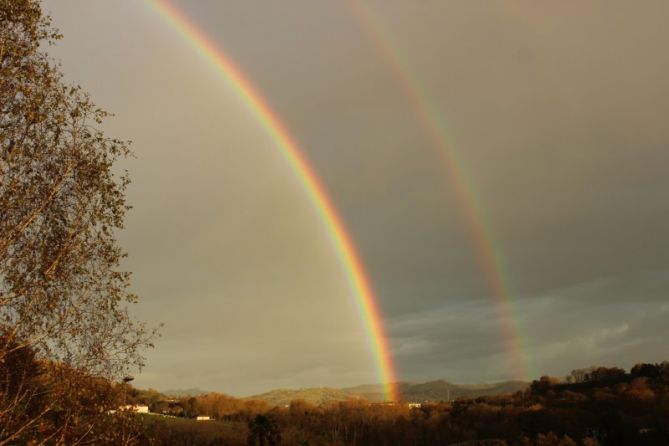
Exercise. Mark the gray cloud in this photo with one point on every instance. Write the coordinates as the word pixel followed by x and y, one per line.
pixel 557 113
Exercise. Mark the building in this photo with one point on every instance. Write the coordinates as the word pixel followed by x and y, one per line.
pixel 137 408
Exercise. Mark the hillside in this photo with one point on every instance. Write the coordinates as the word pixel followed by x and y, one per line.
pixel 314 395
pixel 439 390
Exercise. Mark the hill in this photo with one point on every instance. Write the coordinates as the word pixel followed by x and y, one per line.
pixel 431 391
pixel 314 395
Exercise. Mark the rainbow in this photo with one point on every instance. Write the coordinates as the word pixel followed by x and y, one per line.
pixel 461 188
pixel 356 275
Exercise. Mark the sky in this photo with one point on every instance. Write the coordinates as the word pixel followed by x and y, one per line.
pixel 556 113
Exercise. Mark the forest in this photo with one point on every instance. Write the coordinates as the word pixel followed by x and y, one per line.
pixel 594 406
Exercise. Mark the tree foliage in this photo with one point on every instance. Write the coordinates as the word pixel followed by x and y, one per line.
pixel 63 298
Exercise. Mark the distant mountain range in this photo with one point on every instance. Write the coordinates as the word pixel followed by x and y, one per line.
pixel 432 391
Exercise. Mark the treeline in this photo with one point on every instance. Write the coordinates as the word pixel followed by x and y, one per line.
pixel 213 404
pixel 606 406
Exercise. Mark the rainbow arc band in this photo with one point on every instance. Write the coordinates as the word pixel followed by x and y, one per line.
pixel 334 227
pixel 462 190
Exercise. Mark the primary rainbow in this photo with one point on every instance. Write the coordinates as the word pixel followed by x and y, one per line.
pixel 341 240
pixel 461 188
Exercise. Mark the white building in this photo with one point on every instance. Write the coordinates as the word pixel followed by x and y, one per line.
pixel 137 408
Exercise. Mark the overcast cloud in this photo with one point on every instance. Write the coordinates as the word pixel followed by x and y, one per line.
pixel 557 111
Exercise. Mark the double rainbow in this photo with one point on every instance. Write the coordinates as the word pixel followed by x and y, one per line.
pixel 279 134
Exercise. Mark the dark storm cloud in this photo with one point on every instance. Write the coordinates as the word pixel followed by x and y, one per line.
pixel 614 321
pixel 556 111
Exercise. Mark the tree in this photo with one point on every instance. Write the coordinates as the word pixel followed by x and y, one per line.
pixel 543 385
pixel 62 294
pixel 647 370
pixel 607 374
pixel 264 431
pixel 581 375
pixel 21 394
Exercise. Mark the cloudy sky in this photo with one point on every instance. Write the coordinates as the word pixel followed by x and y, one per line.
pixel 557 113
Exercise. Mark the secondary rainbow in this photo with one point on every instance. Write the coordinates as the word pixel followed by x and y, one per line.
pixel 279 134
pixel 460 187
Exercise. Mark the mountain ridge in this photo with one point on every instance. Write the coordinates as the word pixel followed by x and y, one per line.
pixel 429 391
